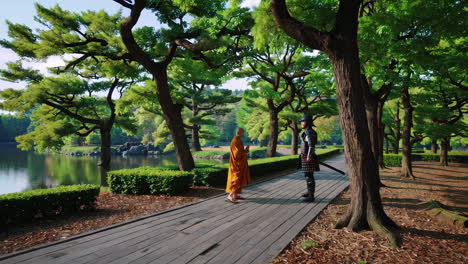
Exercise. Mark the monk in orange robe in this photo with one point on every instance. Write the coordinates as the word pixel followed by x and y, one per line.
pixel 239 174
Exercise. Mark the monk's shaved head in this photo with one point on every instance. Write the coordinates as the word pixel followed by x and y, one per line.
pixel 240 132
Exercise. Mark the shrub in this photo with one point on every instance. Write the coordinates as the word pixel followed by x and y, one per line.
pixel 258 153
pixel 214 176
pixel 147 180
pixel 394 160
pixel 47 202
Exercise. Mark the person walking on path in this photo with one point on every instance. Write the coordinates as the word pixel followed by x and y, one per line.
pixel 308 159
pixel 239 174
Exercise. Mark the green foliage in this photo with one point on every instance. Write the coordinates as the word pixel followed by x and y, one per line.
pixel 68 100
pixel 326 127
pixel 394 160
pixel 149 181
pixel 308 244
pixel 12 126
pixel 258 153
pixel 47 202
pixel 93 139
pixel 210 176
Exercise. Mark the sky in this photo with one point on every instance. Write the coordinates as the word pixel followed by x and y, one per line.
pixel 22 11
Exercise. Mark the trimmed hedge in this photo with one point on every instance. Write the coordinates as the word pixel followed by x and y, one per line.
pixel 148 180
pixel 394 160
pixel 256 153
pixel 214 176
pixel 217 175
pixel 169 180
pixel 17 207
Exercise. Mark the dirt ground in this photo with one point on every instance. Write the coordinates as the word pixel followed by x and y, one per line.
pixel 425 237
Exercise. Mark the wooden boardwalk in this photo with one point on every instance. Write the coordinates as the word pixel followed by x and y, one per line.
pixel 213 231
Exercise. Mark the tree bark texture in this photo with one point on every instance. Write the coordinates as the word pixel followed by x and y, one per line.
pixel 173 116
pixel 196 138
pixel 273 138
pixel 373 125
pixel 434 146
pixel 381 131
pixel 106 154
pixel 406 164
pixel 294 137
pixel 445 145
pixel 396 143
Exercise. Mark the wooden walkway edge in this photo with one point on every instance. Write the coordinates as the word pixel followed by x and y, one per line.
pixel 211 231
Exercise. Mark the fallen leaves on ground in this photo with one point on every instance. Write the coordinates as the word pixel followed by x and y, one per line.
pixel 426 238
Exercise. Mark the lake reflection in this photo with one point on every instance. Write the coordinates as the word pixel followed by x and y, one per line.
pixel 20 170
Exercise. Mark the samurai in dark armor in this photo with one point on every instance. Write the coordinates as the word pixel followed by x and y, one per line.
pixel 308 158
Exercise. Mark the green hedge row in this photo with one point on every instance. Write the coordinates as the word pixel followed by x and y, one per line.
pixel 394 160
pixel 16 207
pixel 217 175
pixel 169 180
pixel 148 180
pixel 258 153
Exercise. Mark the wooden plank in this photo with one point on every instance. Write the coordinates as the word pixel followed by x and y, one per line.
pixel 58 245
pixel 229 245
pixel 276 234
pixel 115 234
pixel 182 240
pixel 235 245
pixel 130 252
pixel 282 242
pixel 272 213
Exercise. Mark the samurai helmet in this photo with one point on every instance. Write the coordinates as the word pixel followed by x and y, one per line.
pixel 308 119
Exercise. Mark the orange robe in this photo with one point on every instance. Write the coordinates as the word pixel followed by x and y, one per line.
pixel 239 173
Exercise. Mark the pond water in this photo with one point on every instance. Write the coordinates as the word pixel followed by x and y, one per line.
pixel 20 170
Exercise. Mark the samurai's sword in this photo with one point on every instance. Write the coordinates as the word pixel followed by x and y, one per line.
pixel 333 168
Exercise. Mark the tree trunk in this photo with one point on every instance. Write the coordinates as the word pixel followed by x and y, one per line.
pixel 273 138
pixel 406 164
pixel 366 208
pixel 445 144
pixel 106 154
pixel 434 145
pixel 372 123
pixel 196 138
pixel 381 131
pixel 295 137
pixel 172 112
pixel 396 143
pixel 387 146
pixel 173 116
